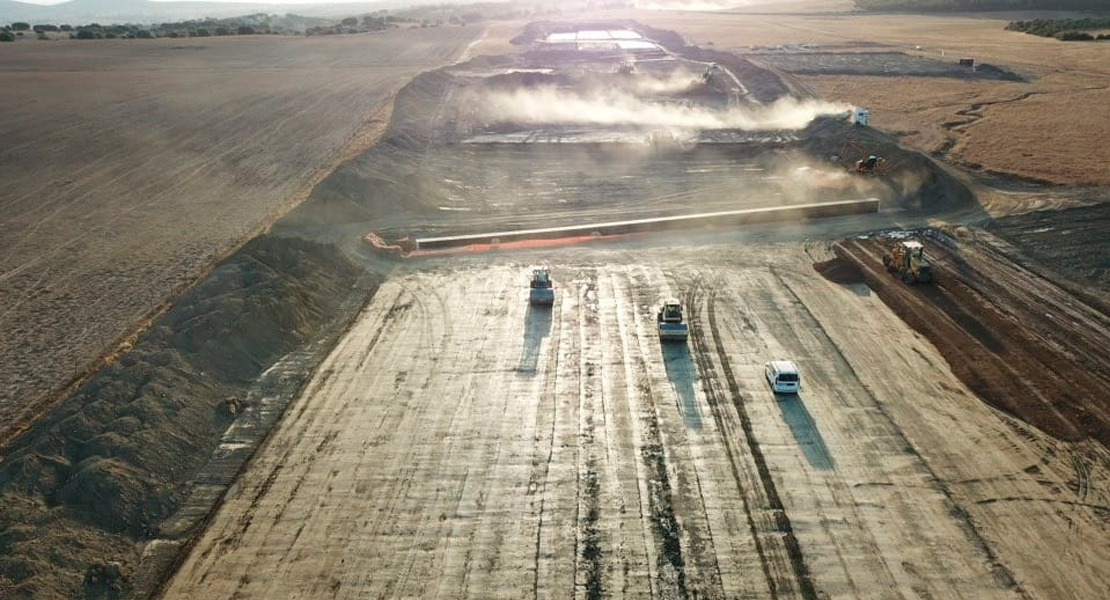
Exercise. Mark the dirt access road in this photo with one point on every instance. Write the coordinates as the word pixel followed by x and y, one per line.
pixel 460 444
pixel 129 166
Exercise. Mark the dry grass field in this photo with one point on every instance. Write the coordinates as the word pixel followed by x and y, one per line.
pixel 129 166
pixel 1047 127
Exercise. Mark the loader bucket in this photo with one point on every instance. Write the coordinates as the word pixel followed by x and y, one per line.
pixel 673 332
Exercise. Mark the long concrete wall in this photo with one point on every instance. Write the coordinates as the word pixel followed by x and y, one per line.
pixel 713 220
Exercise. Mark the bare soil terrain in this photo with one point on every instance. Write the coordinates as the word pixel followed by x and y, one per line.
pixel 1043 128
pixel 460 444
pixel 1019 342
pixel 128 168
pixel 453 441
pixel 92 479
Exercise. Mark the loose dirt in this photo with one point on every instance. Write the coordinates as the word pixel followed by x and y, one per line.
pixel 107 465
pixel 129 169
pixel 450 165
pixel 1018 341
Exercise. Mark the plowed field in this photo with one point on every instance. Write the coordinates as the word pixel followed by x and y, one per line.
pixel 129 166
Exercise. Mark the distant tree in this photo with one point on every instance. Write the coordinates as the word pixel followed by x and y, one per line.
pixel 223 31
pixel 144 34
pixel 20 26
pixel 65 27
pixel 246 30
pixel 86 34
pixel 350 21
pixel 1074 36
pixel 7 36
pixel 203 33
pixel 42 28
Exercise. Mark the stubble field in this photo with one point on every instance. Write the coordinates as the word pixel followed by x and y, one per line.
pixel 130 166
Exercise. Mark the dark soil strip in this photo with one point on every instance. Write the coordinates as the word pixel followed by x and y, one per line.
pixel 707 375
pixel 591 548
pixel 1026 357
pixel 790 541
pixel 663 520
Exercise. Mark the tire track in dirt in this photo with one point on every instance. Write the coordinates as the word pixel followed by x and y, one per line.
pixel 633 373
pixel 707 374
pixel 708 561
pixel 633 539
pixel 803 583
pixel 590 561
pixel 1000 570
pixel 667 532
pixel 542 457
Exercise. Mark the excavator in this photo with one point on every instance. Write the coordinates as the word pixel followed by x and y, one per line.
pixel 542 291
pixel 907 260
pixel 866 164
pixel 671 326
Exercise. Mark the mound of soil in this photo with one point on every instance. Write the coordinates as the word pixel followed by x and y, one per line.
pixel 839 270
pixel 90 481
pixel 916 182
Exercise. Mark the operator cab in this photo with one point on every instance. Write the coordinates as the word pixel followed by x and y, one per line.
pixel 541 278
pixel 783 376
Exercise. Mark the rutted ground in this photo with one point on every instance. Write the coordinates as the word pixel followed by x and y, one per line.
pixel 459 444
pixel 130 168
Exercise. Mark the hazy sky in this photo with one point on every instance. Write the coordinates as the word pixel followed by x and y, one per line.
pixel 44 2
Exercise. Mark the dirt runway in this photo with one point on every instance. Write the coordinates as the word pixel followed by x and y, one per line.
pixel 458 443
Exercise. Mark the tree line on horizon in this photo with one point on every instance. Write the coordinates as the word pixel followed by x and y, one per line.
pixel 1068 30
pixel 979 5
pixel 257 24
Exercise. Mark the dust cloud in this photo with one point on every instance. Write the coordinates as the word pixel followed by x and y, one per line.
pixel 672 83
pixel 550 105
pixel 699 5
pixel 801 179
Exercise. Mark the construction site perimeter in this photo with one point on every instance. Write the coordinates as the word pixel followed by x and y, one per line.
pixel 363 403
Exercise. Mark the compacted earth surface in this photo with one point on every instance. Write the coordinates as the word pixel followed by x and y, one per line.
pixel 321 418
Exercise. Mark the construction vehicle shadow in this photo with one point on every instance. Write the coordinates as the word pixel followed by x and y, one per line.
pixel 805 432
pixel 537 325
pixel 683 373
